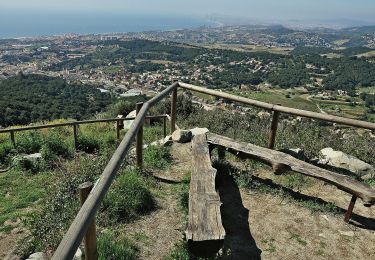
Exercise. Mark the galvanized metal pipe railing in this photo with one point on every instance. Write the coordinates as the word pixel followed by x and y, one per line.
pixel 78 228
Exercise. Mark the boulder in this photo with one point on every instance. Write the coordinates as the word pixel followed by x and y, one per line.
pixel 342 160
pixel 33 157
pixel 181 136
pixel 127 123
pixel 198 131
pixel 37 256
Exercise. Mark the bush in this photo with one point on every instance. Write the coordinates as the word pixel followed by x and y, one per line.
pixel 157 157
pixel 88 143
pixel 54 146
pixel 110 248
pixel 129 198
pixel 6 149
pixel 29 142
pixel 28 165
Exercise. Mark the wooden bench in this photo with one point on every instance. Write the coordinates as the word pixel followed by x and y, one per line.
pixel 282 162
pixel 205 232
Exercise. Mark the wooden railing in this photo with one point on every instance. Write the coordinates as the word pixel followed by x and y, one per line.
pixel 86 215
pixel 75 125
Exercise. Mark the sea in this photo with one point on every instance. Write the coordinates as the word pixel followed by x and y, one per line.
pixel 14 24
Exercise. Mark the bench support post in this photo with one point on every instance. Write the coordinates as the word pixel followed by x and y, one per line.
pixel 349 212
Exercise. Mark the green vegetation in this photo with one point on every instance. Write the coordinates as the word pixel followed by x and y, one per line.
pixel 128 198
pixel 112 248
pixel 32 98
pixel 157 157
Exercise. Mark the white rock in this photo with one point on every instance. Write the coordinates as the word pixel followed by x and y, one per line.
pixel 347 233
pixel 33 157
pixel 263 115
pixel 128 123
pixel 342 160
pixel 181 136
pixel 37 256
pixel 78 254
pixel 198 131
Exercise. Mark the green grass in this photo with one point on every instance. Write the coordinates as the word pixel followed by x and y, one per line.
pixel 298 239
pixel 110 247
pixel 157 157
pixel 128 198
pixel 19 192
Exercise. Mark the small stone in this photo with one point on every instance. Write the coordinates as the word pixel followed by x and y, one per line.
pixel 37 256
pixel 347 233
pixel 325 217
pixel 78 254
pixel 322 235
pixel 181 136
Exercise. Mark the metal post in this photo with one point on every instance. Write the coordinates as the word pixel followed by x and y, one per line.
pixel 173 110
pixel 275 119
pixel 118 129
pixel 13 138
pixel 165 126
pixel 91 252
pixel 139 140
pixel 349 212
pixel 75 133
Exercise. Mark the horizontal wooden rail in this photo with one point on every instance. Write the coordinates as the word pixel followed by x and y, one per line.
pixel 26 128
pixel 282 109
pixel 86 214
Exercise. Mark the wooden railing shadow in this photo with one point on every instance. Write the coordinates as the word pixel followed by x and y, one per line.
pixel 238 243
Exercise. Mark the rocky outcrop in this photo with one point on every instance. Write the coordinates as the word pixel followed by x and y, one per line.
pixel 338 159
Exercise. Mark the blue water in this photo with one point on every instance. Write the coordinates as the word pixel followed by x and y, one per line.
pixel 15 23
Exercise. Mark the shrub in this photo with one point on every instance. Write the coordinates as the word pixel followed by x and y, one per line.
pixel 110 248
pixel 6 149
pixel 157 157
pixel 29 142
pixel 129 198
pixel 55 146
pixel 88 143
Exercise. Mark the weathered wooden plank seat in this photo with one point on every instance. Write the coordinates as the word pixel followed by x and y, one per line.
pixel 205 232
pixel 282 162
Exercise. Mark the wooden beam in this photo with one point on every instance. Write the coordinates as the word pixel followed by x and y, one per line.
pixel 139 140
pixel 349 212
pixel 173 110
pixel 275 121
pixel 205 232
pixel 288 162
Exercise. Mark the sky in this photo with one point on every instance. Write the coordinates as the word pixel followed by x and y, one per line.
pixel 278 10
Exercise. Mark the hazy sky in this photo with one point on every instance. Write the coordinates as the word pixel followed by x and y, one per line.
pixel 363 10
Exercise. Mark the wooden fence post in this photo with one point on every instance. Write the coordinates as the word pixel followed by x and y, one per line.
pixel 13 138
pixel 118 129
pixel 75 133
pixel 275 119
pixel 173 110
pixel 165 126
pixel 91 252
pixel 139 140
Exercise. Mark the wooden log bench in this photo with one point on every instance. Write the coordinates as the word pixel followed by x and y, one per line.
pixel 205 233
pixel 282 162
